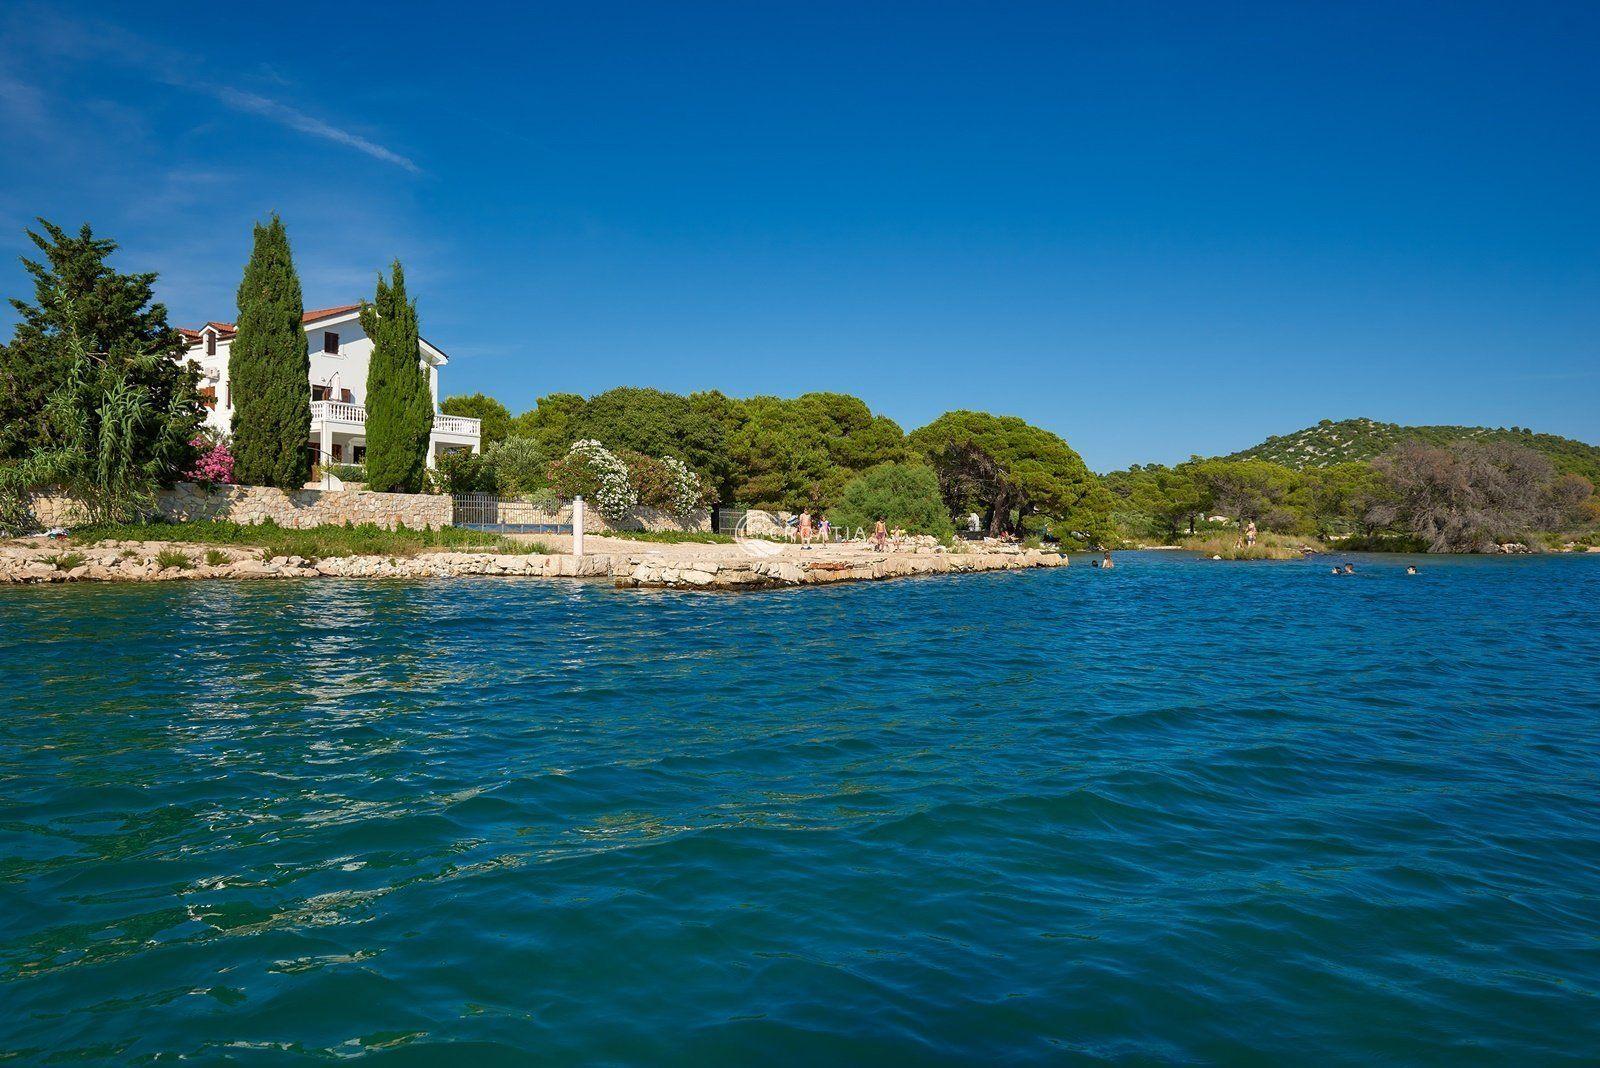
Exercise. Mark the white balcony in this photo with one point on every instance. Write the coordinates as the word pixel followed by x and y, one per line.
pixel 339 432
pixel 453 425
pixel 455 429
pixel 337 412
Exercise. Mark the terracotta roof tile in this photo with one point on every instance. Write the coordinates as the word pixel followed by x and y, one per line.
pixel 227 330
pixel 323 313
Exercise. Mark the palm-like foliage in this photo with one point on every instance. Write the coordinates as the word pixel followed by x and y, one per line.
pixel 107 444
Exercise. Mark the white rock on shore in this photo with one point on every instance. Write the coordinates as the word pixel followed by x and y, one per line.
pixel 689 567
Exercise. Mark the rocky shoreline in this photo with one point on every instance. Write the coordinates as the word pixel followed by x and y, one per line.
pixel 707 567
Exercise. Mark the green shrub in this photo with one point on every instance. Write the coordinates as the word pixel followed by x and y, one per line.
pixel 216 557
pixel 346 472
pixel 518 465
pixel 173 558
pixel 66 561
pixel 906 495
pixel 467 472
pixel 545 500
pixel 1384 543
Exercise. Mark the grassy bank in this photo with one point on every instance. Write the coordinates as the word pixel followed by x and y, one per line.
pixel 1383 543
pixel 1267 547
pixel 670 537
pixel 1544 541
pixel 315 543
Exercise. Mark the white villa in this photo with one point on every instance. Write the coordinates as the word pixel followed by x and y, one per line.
pixel 340 350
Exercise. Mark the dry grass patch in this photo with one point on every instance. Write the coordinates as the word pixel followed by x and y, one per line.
pixel 1231 546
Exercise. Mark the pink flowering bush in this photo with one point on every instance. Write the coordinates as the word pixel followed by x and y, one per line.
pixel 214 465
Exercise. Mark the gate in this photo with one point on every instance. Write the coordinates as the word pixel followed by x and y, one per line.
pixel 506 515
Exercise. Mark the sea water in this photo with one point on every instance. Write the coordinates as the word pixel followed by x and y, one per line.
pixel 1181 810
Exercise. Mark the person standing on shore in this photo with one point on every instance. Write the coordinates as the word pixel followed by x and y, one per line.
pixel 825 530
pixel 880 534
pixel 805 528
pixel 1250 532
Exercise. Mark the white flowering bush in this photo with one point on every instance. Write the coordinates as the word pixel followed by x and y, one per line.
pixel 685 493
pixel 595 472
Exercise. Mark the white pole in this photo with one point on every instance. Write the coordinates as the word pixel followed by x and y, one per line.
pixel 577 526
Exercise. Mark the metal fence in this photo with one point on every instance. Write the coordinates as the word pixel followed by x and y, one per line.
pixel 506 515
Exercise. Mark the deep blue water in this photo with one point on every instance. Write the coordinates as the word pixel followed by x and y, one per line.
pixel 1179 811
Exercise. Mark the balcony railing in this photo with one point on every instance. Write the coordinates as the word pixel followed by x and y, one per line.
pixel 342 412
pixel 339 412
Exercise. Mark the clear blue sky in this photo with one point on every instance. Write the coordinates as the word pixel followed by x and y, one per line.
pixel 1156 229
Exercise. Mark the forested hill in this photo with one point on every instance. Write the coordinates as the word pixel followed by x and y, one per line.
pixel 1347 440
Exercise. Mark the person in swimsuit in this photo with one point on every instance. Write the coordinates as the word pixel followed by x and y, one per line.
pixel 1250 532
pixel 805 529
pixel 880 535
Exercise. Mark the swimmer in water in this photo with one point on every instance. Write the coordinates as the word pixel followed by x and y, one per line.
pixel 1411 569
pixel 1349 569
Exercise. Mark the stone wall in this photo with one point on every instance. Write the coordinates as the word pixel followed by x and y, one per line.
pixel 647 519
pixel 287 508
pixel 523 513
pixel 316 507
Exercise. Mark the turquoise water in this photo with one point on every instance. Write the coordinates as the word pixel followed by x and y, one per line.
pixel 1179 811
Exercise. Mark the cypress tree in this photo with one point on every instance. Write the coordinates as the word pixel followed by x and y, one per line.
pixel 399 404
pixel 269 368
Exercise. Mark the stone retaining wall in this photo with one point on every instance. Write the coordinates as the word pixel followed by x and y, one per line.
pixel 317 507
pixel 523 513
pixel 287 508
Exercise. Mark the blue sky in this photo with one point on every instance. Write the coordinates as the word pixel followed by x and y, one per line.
pixel 1156 229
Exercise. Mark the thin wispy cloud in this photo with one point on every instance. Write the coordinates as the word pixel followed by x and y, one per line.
pixel 20 101
pixel 37 32
pixel 294 119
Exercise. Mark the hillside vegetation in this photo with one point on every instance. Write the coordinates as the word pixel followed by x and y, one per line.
pixel 1362 440
pixel 1442 488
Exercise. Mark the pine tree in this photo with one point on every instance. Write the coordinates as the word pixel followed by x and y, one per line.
pixel 85 310
pixel 269 368
pixel 399 403
pixel 111 316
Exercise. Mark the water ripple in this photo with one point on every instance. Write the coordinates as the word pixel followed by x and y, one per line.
pixel 1182 811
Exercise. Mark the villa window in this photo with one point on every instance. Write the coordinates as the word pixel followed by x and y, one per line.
pixel 330 343
pixel 320 393
pixel 211 343
pixel 338 453
pixel 359 454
